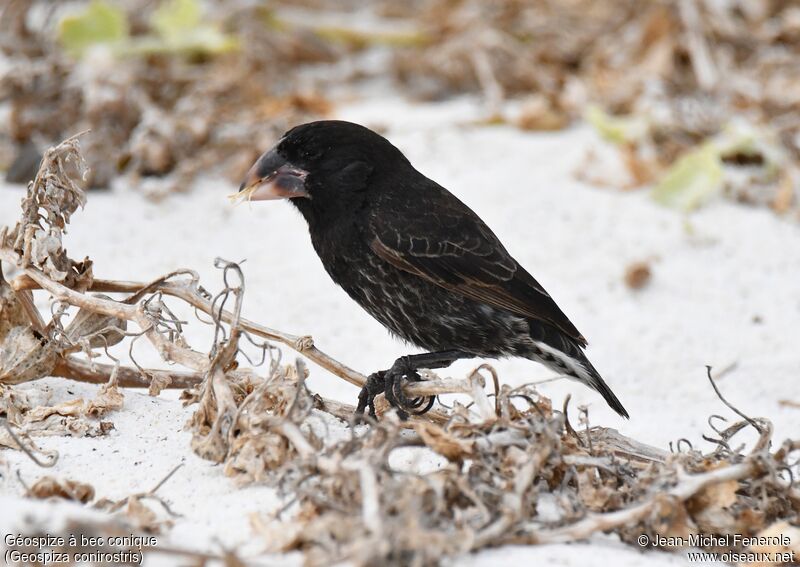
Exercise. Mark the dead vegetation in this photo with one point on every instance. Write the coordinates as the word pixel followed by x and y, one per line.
pixel 164 92
pixel 698 98
pixel 512 469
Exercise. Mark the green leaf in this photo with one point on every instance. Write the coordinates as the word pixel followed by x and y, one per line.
pixel 99 23
pixel 617 130
pixel 692 180
pixel 176 17
pixel 180 27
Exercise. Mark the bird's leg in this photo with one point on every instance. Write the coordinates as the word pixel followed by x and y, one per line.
pixel 390 382
pixel 373 387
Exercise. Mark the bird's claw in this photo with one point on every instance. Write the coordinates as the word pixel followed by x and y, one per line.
pixel 366 398
pixel 390 383
pixel 394 381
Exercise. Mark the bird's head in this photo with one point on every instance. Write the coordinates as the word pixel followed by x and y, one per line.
pixel 322 167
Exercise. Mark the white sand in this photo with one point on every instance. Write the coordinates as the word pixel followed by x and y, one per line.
pixel 652 345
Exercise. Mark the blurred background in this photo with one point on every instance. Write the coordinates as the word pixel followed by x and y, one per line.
pixel 639 158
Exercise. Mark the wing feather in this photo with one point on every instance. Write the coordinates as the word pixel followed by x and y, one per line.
pixel 449 245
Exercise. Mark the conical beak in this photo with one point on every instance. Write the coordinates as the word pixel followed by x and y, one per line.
pixel 272 177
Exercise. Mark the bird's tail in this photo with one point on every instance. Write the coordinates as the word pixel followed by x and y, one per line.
pixel 559 352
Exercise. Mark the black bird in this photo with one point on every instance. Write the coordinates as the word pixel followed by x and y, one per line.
pixel 415 258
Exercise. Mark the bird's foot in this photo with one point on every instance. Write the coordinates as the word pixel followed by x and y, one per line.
pixel 390 383
pixel 366 398
pixel 394 380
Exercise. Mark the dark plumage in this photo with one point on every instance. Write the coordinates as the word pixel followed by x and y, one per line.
pixel 415 258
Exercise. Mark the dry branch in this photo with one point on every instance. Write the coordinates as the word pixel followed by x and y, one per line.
pixel 99 373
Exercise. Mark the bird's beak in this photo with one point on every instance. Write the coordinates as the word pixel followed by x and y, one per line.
pixel 272 177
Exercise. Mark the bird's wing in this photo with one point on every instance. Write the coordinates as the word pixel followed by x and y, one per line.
pixel 445 242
